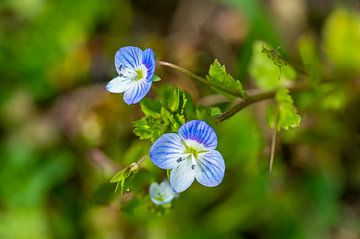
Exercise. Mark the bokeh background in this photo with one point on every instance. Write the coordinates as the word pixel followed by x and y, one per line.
pixel 62 136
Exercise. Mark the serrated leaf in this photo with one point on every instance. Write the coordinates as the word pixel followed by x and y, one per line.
pixel 267 67
pixel 223 82
pixel 162 116
pixel 150 107
pixel 287 113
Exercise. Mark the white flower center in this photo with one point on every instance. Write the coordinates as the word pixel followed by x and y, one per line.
pixel 192 152
pixel 137 74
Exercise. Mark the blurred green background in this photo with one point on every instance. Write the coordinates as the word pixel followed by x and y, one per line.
pixel 62 136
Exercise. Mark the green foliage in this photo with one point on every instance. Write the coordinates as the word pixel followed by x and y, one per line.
pixel 285 115
pixel 58 49
pixel 310 57
pixel 223 82
pixel 164 115
pixel 268 69
pixel 121 177
pixel 341 39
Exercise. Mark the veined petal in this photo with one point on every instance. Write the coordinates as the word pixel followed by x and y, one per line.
pixel 129 57
pixel 137 91
pixel 210 169
pixel 118 85
pixel 199 131
pixel 148 59
pixel 167 151
pixel 182 176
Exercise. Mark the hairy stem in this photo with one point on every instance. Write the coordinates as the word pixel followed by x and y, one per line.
pixel 253 99
pixel 273 143
pixel 199 78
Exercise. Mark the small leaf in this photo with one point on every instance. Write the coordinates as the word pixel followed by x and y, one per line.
pixel 287 113
pixel 173 102
pixel 214 111
pixel 156 78
pixel 223 82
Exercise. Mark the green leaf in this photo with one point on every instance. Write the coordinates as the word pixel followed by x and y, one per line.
pixel 341 40
pixel 150 107
pixel 287 114
pixel 310 58
pixel 268 69
pixel 156 78
pixel 271 115
pixel 223 82
pixel 215 111
pixel 163 116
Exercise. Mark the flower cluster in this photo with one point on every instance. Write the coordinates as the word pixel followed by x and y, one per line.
pixel 190 153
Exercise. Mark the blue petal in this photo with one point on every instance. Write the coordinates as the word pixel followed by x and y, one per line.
pixel 182 176
pixel 210 169
pixel 199 131
pixel 129 56
pixel 118 85
pixel 137 92
pixel 148 59
pixel 166 151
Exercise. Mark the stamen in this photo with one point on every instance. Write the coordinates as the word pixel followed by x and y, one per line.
pixel 179 160
pixel 193 166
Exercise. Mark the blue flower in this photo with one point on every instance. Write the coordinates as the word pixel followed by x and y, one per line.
pixel 162 193
pixel 136 69
pixel 191 155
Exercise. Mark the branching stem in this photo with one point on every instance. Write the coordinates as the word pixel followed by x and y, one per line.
pixel 253 99
pixel 199 78
pixel 249 100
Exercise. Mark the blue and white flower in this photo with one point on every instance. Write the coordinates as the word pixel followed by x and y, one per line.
pixel 136 69
pixel 191 154
pixel 162 193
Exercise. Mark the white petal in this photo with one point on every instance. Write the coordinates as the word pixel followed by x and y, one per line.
pixel 182 176
pixel 119 85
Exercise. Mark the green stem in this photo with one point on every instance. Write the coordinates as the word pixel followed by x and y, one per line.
pixel 199 78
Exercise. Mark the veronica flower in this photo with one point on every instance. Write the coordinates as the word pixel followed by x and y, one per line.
pixel 162 193
pixel 191 154
pixel 136 69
